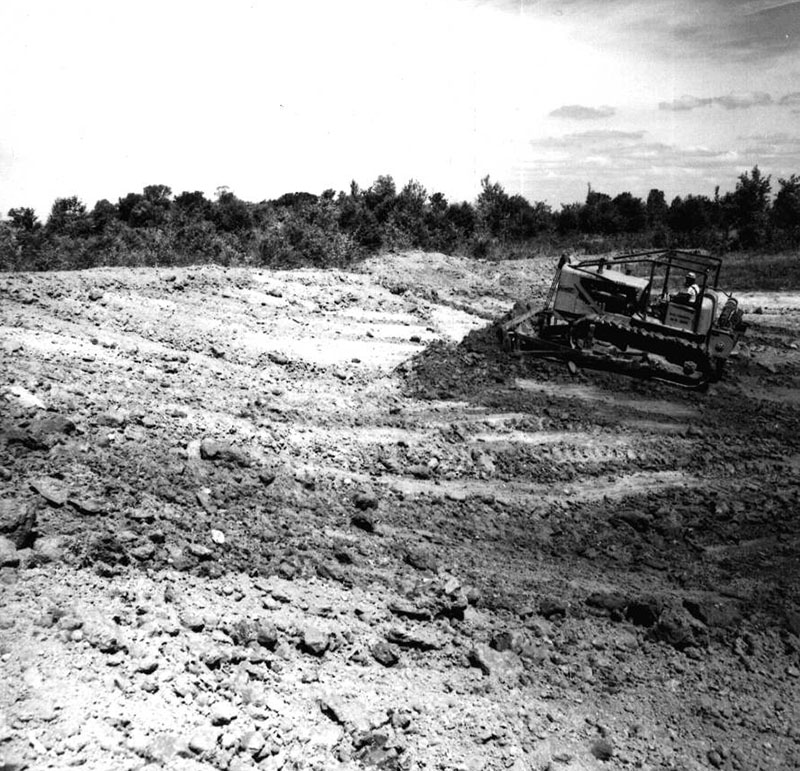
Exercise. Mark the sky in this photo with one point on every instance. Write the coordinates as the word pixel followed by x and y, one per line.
pixel 266 97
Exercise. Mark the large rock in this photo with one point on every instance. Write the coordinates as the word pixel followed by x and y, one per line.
pixel 424 641
pixel 504 665
pixel 223 712
pixel 54 491
pixel 17 522
pixel 715 612
pixel 384 654
pixel 678 628
pixel 315 641
pixel 212 450
pixel 9 557
pixel 52 425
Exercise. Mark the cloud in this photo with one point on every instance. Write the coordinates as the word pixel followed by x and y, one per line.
pixel 744 101
pixel 590 139
pixel 579 112
pixel 729 101
pixel 790 100
pixel 773 148
pixel 685 103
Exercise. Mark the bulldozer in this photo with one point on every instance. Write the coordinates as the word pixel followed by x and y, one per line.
pixel 655 314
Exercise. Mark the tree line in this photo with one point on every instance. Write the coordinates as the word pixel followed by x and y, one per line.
pixel 155 227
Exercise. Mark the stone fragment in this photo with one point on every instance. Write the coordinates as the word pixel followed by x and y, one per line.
pixel 352 714
pixel 51 548
pixel 200 551
pixel 52 490
pixel 9 557
pixel 267 635
pixel 204 740
pixel 212 450
pixel 365 501
pixel 552 607
pixel 677 628
pixel 147 666
pixel 416 640
pixel 192 620
pixel 266 477
pixel 25 398
pixel 421 559
pixel 204 499
pixel 52 425
pixel 610 601
pixel 87 506
pixel 384 654
pixel 721 612
pixel 315 641
pixel 505 665
pixel 143 553
pixel 253 743
pixel 409 610
pixel 602 749
pixel 223 712
pixel 114 419
pixel 363 521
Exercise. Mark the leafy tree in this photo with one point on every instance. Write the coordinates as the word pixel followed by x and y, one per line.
pixel 599 215
pixel 630 212
pixel 158 200
pixel 193 205
pixel 68 217
pixel 380 198
pixel 296 199
pixel 656 209
pixel 24 219
pixel 750 208
pixel 230 214
pixel 103 214
pixel 690 216
pixel 463 218
pixel 128 205
pixel 493 208
pixel 568 218
pixel 409 214
pixel 786 208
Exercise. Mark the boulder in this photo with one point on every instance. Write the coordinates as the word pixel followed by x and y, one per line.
pixel 505 665
pixel 221 452
pixel 17 522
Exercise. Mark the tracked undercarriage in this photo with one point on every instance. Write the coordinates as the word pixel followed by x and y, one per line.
pixel 631 314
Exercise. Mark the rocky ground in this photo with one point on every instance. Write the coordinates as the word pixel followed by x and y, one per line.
pixel 306 519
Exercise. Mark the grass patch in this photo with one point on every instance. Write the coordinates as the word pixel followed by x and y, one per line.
pixel 760 272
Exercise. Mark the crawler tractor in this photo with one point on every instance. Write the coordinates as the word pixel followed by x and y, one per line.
pixel 635 312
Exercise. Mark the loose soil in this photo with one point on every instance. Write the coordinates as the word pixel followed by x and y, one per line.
pixel 318 520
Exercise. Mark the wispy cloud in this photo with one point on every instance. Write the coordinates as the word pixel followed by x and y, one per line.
pixel 729 101
pixel 773 148
pixel 580 112
pixel 593 139
pixel 790 100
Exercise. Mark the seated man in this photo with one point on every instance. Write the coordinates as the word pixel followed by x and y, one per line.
pixel 690 291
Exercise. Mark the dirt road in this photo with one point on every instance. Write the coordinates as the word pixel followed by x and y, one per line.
pixel 307 519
